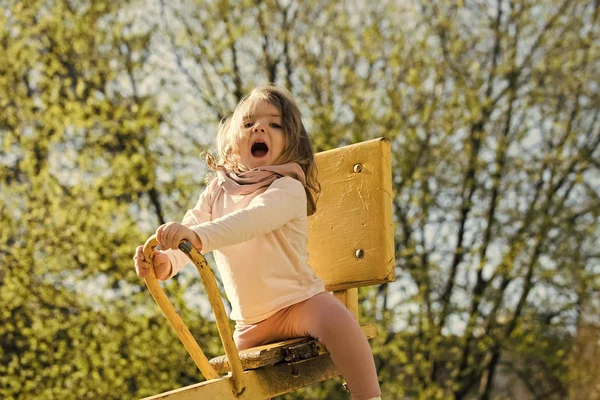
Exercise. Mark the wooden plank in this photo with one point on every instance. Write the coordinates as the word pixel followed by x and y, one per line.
pixel 350 299
pixel 216 303
pixel 261 383
pixel 285 351
pixel 174 319
pixel 354 213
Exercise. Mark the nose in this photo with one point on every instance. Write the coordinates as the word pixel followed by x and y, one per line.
pixel 258 127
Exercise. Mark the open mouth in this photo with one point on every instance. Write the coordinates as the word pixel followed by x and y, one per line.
pixel 259 149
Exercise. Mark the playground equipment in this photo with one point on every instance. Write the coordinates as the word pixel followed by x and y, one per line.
pixel 351 245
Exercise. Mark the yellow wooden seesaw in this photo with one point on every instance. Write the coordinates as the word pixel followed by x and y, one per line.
pixel 351 245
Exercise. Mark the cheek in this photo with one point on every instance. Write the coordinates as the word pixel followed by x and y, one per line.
pixel 237 150
pixel 241 144
pixel 281 142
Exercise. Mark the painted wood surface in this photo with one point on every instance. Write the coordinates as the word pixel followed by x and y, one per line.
pixel 354 213
pixel 218 309
pixel 262 383
pixel 287 350
pixel 174 319
pixel 349 298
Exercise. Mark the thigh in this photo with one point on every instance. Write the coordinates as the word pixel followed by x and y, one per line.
pixel 313 317
pixel 318 316
pixel 272 329
pixel 327 319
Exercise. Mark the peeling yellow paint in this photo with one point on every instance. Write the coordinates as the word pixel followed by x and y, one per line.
pixel 354 212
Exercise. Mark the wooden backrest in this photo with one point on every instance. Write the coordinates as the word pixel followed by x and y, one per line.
pixel 351 236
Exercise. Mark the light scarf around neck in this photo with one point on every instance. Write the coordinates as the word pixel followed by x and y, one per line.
pixel 250 181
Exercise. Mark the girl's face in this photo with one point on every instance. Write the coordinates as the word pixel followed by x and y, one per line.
pixel 263 139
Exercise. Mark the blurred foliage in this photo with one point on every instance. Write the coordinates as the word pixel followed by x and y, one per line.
pixel 493 112
pixel 74 321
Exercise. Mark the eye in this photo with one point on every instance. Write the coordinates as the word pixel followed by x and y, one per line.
pixel 274 125
pixel 248 124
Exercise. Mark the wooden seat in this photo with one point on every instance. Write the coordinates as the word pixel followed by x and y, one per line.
pixel 291 350
pixel 350 241
pixel 351 245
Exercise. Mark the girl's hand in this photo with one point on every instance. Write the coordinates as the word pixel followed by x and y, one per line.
pixel 169 235
pixel 162 265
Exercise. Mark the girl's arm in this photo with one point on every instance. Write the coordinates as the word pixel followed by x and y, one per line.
pixel 201 213
pixel 283 201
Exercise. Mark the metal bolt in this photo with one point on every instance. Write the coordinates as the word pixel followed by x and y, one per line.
pixel 360 253
pixel 357 168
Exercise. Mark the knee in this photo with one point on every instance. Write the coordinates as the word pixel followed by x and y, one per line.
pixel 333 324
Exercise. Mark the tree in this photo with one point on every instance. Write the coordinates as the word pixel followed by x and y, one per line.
pixel 492 111
pixel 76 156
pixel 492 108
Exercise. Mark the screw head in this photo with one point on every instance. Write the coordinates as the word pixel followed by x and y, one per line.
pixel 295 372
pixel 360 253
pixel 357 167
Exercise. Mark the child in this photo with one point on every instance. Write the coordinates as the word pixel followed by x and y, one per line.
pixel 253 214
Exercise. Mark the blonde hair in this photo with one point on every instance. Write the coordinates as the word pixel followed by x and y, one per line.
pixel 297 149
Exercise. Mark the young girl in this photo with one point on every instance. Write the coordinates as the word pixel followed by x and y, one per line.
pixel 253 215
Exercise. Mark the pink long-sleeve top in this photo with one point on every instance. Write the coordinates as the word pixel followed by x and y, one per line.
pixel 259 243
